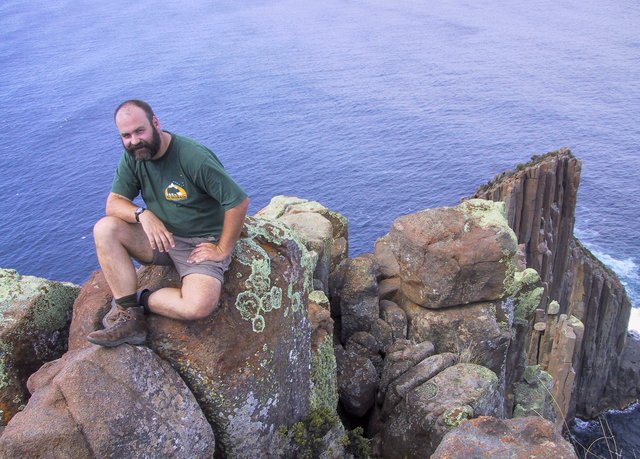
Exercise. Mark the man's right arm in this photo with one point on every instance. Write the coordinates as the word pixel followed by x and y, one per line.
pixel 159 236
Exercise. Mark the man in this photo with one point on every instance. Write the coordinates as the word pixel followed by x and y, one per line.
pixel 194 217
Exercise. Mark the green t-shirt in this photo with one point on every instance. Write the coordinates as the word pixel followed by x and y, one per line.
pixel 187 188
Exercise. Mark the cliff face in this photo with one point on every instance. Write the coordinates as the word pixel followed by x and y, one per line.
pixel 541 197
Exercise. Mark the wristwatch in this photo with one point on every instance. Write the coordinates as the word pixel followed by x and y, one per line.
pixel 139 210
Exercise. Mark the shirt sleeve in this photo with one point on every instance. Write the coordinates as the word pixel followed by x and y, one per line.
pixel 214 180
pixel 125 183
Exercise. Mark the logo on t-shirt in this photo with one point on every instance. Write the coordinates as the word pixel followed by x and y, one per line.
pixel 175 192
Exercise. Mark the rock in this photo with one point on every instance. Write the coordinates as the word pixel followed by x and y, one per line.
pixel 249 363
pixel 415 376
pixel 366 345
pixel 357 381
pixel 120 402
pixel 359 306
pixel 453 256
pixel 395 316
pixel 401 356
pixel 385 258
pixel 533 395
pixel 521 438
pixel 629 372
pixel 473 330
pixel 315 232
pixel 387 288
pixel 383 333
pixel 34 320
pixel 285 205
pixel 430 410
pixel 324 383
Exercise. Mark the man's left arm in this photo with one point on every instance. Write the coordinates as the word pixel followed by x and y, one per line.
pixel 231 228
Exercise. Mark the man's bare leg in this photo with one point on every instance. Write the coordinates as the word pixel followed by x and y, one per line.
pixel 116 242
pixel 197 298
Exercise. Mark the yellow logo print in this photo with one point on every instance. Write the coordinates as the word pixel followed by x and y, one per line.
pixel 175 192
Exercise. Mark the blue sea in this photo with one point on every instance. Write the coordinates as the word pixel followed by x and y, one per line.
pixel 374 108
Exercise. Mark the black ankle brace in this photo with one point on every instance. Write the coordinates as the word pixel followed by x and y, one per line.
pixel 144 300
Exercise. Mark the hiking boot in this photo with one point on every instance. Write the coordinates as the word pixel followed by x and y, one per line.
pixel 129 327
pixel 110 317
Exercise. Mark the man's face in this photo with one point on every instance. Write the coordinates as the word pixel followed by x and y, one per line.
pixel 140 138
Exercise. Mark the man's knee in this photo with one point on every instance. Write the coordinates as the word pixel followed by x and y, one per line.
pixel 200 309
pixel 107 228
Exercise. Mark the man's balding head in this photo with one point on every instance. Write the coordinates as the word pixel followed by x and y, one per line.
pixel 146 108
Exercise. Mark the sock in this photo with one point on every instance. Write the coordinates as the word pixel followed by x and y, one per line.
pixel 144 300
pixel 129 301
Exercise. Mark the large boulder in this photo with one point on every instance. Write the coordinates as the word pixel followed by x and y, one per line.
pixel 431 409
pixel 452 255
pixel 98 402
pixel 312 228
pixel 521 438
pixel 248 364
pixel 34 316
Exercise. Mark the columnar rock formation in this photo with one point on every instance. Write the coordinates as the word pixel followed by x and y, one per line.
pixel 540 197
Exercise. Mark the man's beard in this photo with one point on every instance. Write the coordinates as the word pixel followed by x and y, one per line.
pixel 145 151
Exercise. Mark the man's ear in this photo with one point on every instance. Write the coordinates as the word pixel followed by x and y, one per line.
pixel 156 122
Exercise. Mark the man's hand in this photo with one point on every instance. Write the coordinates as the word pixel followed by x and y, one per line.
pixel 159 236
pixel 207 251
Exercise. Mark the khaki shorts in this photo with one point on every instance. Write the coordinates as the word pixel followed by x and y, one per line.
pixel 177 256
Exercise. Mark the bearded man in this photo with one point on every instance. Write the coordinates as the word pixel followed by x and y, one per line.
pixel 193 219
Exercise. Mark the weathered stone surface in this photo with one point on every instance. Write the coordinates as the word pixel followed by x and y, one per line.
pixel 324 383
pixel 453 256
pixel 315 232
pixel 357 381
pixel 401 356
pixel 533 395
pixel 395 316
pixel 387 288
pixel 366 345
pixel 248 364
pixel 472 329
pixel 629 372
pixel 488 437
pixel 385 258
pixel 98 402
pixel 34 316
pixel 431 409
pixel 415 376
pixel 359 306
pixel 286 205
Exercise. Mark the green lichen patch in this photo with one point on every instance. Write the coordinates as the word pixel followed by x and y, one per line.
pixel 260 296
pixel 324 379
pixel 526 292
pixel 456 415
pixel 307 436
pixel 487 214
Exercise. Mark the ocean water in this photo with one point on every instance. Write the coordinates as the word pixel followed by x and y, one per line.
pixel 375 109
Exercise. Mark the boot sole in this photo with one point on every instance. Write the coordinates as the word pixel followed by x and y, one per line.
pixel 134 341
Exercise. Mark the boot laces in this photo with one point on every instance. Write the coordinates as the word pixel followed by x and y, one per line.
pixel 124 315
